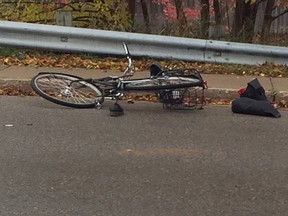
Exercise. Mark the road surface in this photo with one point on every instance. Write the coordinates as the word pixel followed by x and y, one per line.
pixel 60 161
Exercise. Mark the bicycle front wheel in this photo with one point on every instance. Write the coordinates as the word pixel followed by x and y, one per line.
pixel 159 83
pixel 67 90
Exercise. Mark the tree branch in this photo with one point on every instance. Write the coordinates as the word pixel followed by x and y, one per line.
pixel 279 15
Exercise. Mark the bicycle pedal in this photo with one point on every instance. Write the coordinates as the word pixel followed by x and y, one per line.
pixel 116 110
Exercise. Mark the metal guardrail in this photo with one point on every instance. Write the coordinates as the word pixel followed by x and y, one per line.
pixel 49 37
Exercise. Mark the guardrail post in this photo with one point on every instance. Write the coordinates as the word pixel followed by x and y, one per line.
pixel 64 18
pixel 216 32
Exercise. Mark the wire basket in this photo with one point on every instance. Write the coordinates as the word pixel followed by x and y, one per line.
pixel 183 99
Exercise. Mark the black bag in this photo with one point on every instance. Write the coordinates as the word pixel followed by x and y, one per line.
pixel 254 90
pixel 156 69
pixel 250 106
pixel 253 101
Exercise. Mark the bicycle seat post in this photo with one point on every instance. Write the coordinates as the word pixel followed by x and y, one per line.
pixel 130 68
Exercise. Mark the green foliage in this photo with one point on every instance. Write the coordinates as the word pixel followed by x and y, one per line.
pixel 28 12
pixel 108 14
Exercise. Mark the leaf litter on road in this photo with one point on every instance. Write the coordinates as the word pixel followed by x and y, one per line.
pixel 38 59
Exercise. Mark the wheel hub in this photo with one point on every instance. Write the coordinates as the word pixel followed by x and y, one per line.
pixel 66 92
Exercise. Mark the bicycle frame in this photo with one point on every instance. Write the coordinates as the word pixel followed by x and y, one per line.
pixel 174 88
pixel 116 86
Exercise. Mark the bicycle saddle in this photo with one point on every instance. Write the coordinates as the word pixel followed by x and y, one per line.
pixel 156 69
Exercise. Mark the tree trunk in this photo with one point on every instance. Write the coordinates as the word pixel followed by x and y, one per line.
pixel 217 11
pixel 131 9
pixel 205 18
pixel 244 20
pixel 180 16
pixel 238 17
pixel 268 19
pixel 146 16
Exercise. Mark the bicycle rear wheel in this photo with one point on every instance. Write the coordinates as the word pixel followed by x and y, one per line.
pixel 161 83
pixel 67 90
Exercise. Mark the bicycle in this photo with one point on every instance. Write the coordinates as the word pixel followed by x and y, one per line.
pixel 178 89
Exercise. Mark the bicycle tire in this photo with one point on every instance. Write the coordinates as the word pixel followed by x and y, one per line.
pixel 155 84
pixel 55 88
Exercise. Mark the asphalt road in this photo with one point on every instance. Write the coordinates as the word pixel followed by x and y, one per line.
pixel 61 161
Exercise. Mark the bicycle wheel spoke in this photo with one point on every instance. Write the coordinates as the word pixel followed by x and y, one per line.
pixel 51 84
pixel 79 97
